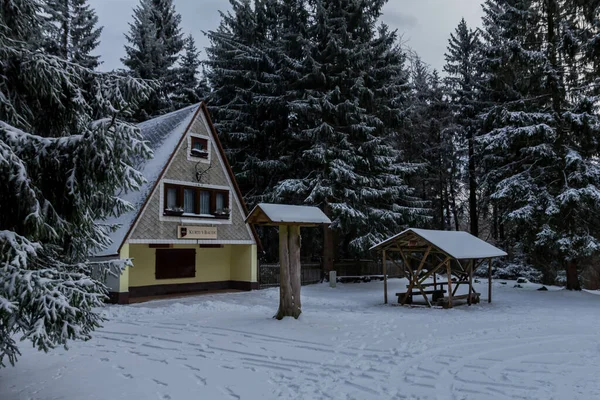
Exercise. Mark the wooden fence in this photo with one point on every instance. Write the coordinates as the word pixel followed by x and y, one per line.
pixel 269 274
pixel 313 272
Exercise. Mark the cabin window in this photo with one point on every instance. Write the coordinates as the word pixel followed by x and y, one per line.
pixel 195 202
pixel 220 202
pixel 199 147
pixel 175 263
pixel 189 200
pixel 204 202
pixel 171 202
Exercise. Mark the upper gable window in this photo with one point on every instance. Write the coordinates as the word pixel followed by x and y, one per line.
pixel 198 148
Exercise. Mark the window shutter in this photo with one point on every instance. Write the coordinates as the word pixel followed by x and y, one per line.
pixel 175 263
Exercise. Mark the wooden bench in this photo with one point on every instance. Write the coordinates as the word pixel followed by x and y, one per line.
pixel 358 278
pixel 444 301
pixel 444 283
pixel 436 294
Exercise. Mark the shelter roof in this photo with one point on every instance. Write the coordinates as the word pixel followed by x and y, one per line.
pixel 457 244
pixel 282 214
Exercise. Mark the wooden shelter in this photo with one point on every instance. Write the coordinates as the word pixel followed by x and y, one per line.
pixel 289 219
pixel 423 253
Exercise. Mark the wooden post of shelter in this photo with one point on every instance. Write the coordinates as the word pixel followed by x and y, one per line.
pixel 489 280
pixel 470 298
pixel 385 288
pixel 286 296
pixel 449 272
pixel 289 219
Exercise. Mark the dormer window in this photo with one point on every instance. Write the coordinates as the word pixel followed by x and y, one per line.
pixel 199 148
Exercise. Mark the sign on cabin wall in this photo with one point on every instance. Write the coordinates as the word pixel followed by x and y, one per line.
pixel 196 232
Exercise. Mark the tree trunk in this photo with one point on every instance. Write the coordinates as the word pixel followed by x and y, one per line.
pixel 295 268
pixel 495 222
pixel 327 245
pixel 474 218
pixel 447 221
pixel 454 208
pixel 572 276
pixel 286 301
pixel 66 31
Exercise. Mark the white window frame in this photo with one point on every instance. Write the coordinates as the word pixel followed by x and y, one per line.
pixel 195 220
pixel 209 146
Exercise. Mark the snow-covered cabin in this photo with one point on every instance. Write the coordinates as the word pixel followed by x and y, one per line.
pixel 187 232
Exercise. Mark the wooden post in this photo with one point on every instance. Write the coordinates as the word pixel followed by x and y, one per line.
pixel 469 300
pixel 295 268
pixel 449 272
pixel 385 299
pixel 434 281
pixel 285 288
pixel 415 279
pixel 489 280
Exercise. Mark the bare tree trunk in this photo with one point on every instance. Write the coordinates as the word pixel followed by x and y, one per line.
pixel 66 30
pixel 474 218
pixel 495 221
pixel 447 221
pixel 327 244
pixel 454 208
pixel 286 301
pixel 572 276
pixel 295 268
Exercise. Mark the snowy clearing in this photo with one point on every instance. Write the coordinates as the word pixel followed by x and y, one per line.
pixel 347 345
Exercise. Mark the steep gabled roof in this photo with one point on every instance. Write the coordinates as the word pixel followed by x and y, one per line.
pixel 164 135
pixel 457 244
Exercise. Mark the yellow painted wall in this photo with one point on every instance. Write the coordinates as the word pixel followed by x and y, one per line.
pixel 244 263
pixel 212 265
pixel 231 262
pixel 124 278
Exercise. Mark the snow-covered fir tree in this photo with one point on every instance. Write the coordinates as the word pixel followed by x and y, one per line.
pixel 463 84
pixel 428 138
pixel 188 88
pixel 309 98
pixel 155 41
pixel 346 161
pixel 542 129
pixel 252 70
pixel 71 31
pixel 59 165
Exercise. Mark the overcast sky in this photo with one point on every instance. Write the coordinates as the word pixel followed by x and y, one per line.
pixel 424 24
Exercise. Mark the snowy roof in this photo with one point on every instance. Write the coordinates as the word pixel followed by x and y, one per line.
pixel 162 135
pixel 457 244
pixel 273 214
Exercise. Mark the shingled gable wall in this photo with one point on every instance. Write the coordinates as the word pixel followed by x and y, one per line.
pixel 150 226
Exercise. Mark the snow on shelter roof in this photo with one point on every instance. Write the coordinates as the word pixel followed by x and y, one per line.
pixel 457 244
pixel 274 214
pixel 162 135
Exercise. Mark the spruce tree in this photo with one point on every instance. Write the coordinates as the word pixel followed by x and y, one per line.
pixel 63 151
pixel 346 160
pixel 155 40
pixel 71 31
pixel 463 83
pixel 542 129
pixel 188 88
pixel 252 68
pixel 428 139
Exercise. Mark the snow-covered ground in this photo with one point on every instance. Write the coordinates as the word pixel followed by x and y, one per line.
pixel 527 344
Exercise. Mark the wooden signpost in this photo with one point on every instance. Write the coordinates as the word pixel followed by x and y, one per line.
pixel 289 219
